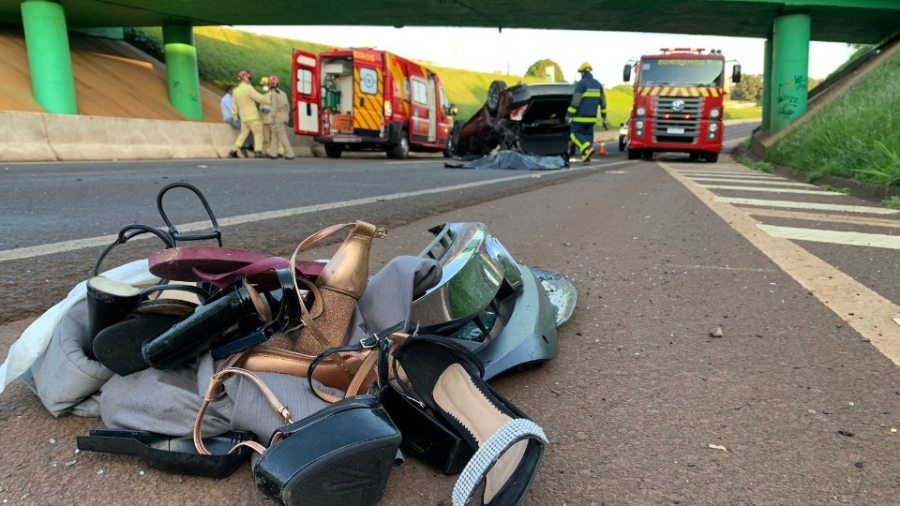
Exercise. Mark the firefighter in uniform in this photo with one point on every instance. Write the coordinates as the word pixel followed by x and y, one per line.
pixel 265 114
pixel 243 107
pixel 588 97
pixel 281 113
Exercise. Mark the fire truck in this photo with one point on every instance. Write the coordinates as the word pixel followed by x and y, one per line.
pixel 366 99
pixel 678 103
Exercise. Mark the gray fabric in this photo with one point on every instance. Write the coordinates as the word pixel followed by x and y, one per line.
pixel 253 413
pixel 64 378
pixel 165 402
pixel 389 295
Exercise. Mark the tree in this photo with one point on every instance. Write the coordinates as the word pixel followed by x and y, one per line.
pixel 539 68
pixel 750 88
pixel 625 88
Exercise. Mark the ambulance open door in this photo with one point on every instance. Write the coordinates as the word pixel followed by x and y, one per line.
pixel 307 90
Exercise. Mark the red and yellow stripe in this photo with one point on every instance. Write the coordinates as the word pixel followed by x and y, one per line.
pixel 370 115
pixel 680 91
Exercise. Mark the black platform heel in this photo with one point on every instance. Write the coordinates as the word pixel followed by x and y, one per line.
pixel 110 301
pixel 447 379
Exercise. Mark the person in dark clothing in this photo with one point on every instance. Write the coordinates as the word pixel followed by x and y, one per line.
pixel 588 98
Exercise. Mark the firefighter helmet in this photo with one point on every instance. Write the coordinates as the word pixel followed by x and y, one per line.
pixel 243 74
pixel 263 81
pixel 273 80
pixel 585 67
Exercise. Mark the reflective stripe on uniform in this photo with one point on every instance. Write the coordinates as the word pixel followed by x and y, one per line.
pixel 576 100
pixel 572 110
pixel 578 144
pixel 593 93
pixel 585 120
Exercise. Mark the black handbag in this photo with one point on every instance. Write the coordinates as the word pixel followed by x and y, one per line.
pixel 339 456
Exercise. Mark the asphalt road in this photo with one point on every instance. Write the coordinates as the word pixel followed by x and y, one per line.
pixel 793 405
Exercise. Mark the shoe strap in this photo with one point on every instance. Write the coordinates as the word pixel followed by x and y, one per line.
pixel 213 390
pixel 178 236
pixel 124 236
pixel 490 452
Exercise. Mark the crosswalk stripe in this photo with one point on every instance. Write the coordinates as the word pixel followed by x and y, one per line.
pixel 772 190
pixel 732 174
pixel 866 221
pixel 807 205
pixel 732 180
pixel 832 236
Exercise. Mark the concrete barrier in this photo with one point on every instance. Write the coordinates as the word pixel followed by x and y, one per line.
pixel 24 137
pixel 223 137
pixel 102 138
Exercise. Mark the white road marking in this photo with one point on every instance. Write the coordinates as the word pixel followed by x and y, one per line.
pixel 807 205
pixel 416 162
pixel 772 190
pixel 867 221
pixel 833 237
pixel 872 313
pixel 65 246
pixel 728 174
pixel 723 180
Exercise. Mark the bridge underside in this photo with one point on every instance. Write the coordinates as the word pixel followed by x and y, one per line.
pixel 861 21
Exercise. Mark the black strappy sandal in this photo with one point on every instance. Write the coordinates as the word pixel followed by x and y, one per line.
pixel 447 379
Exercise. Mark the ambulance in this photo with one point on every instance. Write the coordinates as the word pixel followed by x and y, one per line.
pixel 366 99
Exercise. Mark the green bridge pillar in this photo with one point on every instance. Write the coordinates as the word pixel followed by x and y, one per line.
pixel 767 88
pixel 49 61
pixel 790 69
pixel 181 68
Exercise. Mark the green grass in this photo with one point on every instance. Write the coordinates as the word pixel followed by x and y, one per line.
pixel 893 202
pixel 829 188
pixel 222 52
pixel 854 136
pixel 743 113
pixel 745 144
pixel 753 164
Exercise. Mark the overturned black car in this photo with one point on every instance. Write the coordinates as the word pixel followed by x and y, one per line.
pixel 530 118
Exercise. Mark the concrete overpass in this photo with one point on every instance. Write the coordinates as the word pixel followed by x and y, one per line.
pixel 787 25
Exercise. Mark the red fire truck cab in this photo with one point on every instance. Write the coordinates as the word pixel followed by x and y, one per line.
pixel 366 99
pixel 678 103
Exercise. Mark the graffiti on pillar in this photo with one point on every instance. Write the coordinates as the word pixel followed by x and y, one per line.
pixel 790 96
pixel 184 92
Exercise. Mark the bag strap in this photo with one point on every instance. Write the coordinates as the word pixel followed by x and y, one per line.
pixel 212 391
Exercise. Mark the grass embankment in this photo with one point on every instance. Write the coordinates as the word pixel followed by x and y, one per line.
pixel 853 136
pixel 221 52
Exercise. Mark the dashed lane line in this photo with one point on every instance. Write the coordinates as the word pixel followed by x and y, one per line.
pixel 873 315
pixel 806 205
pixel 730 175
pixel 772 190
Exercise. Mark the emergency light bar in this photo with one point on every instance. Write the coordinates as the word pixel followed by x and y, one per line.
pixel 682 50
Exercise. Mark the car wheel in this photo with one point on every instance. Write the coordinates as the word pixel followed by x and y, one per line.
pixel 333 151
pixel 401 150
pixel 451 141
pixel 634 154
pixel 493 98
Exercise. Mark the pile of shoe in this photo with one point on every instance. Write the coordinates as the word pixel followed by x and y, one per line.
pixel 369 366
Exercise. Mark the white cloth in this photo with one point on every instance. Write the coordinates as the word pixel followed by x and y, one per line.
pixel 34 341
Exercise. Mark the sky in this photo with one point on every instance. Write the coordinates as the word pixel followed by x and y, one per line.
pixel 487 50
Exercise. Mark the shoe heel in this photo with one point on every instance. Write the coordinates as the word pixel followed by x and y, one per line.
pixel 341 283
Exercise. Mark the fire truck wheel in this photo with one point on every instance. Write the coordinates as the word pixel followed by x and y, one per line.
pixel 333 151
pixel 622 143
pixel 401 150
pixel 711 157
pixel 694 156
pixel 493 98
